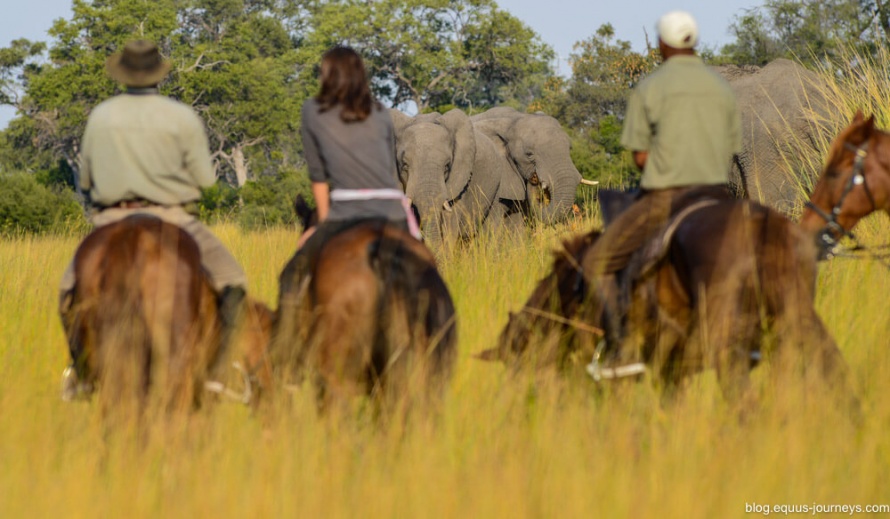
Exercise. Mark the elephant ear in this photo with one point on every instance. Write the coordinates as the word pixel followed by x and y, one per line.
pixel 399 120
pixel 464 151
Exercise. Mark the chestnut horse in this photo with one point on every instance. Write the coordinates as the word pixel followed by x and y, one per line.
pixel 145 317
pixel 854 184
pixel 730 271
pixel 373 316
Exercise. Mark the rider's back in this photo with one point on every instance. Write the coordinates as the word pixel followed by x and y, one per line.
pixel 150 147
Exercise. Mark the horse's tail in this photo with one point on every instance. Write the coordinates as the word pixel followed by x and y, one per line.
pixel 416 311
pixel 122 333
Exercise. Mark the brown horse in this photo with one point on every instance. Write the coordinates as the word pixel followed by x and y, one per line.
pixel 145 316
pixel 373 317
pixel 854 183
pixel 730 271
pixel 549 318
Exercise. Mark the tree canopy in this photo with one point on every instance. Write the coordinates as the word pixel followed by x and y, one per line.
pixel 247 65
pixel 807 30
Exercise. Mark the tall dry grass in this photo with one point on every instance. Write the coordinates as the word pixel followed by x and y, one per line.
pixel 502 445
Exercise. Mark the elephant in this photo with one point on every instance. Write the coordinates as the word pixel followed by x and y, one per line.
pixel 786 121
pixel 536 150
pixel 450 171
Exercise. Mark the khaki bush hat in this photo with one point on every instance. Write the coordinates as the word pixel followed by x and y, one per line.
pixel 138 65
pixel 678 29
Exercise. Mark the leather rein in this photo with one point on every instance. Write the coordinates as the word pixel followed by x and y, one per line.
pixel 828 237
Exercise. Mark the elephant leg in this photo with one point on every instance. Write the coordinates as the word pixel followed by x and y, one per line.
pixel 514 218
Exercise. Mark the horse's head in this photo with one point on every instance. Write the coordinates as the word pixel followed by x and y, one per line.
pixel 307 216
pixel 854 183
pixel 555 299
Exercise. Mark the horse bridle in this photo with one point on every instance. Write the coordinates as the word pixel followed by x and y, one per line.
pixel 828 236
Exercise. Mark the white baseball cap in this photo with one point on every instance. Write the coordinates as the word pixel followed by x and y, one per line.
pixel 678 29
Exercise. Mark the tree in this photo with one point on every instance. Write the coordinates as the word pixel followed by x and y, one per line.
pixel 433 53
pixel 234 62
pixel 807 30
pixel 603 72
pixel 59 95
pixel 591 104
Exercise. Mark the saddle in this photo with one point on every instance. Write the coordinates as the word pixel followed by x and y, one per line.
pixel 613 203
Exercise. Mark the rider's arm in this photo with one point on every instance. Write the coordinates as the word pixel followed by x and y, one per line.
pixel 84 176
pixel 636 135
pixel 640 158
pixel 322 194
pixel 196 150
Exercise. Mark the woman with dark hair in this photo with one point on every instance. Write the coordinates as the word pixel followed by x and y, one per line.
pixel 349 147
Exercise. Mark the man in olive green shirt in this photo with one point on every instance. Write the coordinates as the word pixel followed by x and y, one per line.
pixel 145 153
pixel 683 127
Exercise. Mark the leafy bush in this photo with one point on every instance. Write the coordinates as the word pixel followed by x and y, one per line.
pixel 269 200
pixel 265 202
pixel 218 202
pixel 31 207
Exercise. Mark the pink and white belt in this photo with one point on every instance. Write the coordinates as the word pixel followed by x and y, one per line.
pixel 351 195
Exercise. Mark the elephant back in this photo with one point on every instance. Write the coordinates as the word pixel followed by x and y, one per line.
pixel 785 119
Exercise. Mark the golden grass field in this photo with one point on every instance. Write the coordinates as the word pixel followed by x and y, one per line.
pixel 502 446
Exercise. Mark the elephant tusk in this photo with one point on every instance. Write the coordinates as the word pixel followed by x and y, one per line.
pixel 447 206
pixel 590 182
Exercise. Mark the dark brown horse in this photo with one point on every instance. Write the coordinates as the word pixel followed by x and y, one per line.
pixel 373 317
pixel 549 319
pixel 731 271
pixel 145 317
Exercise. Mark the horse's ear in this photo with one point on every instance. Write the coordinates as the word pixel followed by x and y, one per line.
pixel 304 213
pixel 858 118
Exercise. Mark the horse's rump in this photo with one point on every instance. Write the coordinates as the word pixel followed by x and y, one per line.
pixel 146 313
pixel 380 306
pixel 733 271
pixel 748 244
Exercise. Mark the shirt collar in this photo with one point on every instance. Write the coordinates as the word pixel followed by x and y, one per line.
pixel 142 91
pixel 684 58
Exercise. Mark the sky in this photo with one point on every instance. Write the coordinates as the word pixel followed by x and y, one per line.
pixel 559 23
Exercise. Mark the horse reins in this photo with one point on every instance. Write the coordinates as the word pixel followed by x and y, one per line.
pixel 827 235
pixel 832 226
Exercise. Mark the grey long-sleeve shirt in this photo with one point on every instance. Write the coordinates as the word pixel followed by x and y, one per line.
pixel 145 146
pixel 358 155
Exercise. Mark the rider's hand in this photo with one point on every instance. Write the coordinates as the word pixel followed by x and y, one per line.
pixel 305 236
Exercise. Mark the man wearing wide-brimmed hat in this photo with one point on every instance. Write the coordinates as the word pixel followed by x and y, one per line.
pixel 146 153
pixel 683 127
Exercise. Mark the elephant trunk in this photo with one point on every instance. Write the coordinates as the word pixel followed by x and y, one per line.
pixel 436 221
pixel 562 186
